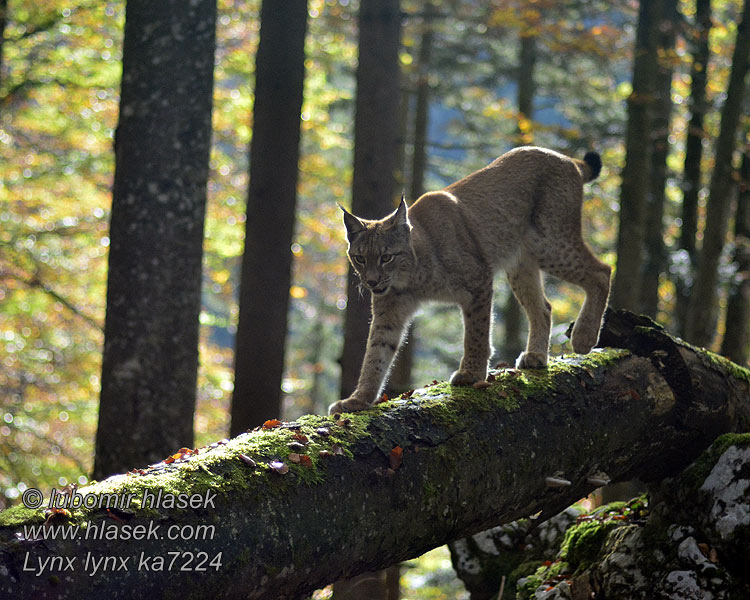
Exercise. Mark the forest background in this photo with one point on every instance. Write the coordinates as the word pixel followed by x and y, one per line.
pixel 495 75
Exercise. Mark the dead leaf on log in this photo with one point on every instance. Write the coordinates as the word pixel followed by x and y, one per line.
pixel 272 424
pixel 306 461
pixel 57 515
pixel 396 457
pixel 481 385
pixel 247 460
pixel 279 467
pixel 294 457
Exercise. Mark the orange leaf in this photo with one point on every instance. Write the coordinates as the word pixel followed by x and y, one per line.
pixel 272 424
pixel 306 461
pixel 396 457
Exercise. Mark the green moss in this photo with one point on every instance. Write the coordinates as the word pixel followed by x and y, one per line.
pixel 716 361
pixel 724 364
pixel 692 478
pixel 528 570
pixel 220 469
pixel 20 515
pixel 583 542
pixel 546 572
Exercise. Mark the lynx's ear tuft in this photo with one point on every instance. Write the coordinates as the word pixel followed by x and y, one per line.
pixel 352 223
pixel 400 217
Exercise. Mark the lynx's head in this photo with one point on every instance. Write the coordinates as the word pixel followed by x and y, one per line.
pixel 380 251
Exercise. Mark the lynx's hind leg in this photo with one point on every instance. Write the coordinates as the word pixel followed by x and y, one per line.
pixel 526 282
pixel 576 264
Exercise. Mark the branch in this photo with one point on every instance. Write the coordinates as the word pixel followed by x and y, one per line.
pixel 388 484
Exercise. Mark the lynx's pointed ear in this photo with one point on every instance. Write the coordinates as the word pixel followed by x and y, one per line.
pixel 400 217
pixel 352 223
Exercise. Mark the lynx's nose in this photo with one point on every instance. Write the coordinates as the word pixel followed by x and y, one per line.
pixel 371 283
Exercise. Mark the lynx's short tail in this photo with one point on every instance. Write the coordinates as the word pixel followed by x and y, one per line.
pixel 590 166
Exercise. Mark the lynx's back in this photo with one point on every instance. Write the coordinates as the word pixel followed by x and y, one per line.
pixel 525 198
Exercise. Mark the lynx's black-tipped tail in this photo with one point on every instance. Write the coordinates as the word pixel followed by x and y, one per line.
pixel 591 166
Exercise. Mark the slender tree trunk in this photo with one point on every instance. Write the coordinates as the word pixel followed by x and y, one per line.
pixel 375 161
pixel 317 404
pixel 691 184
pixel 150 357
pixel 3 23
pixel 400 380
pixel 272 198
pixel 691 179
pixel 513 317
pixel 635 174
pixel 703 308
pixel 736 342
pixel 375 151
pixel 656 255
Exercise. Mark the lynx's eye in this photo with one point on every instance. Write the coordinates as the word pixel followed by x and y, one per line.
pixel 359 259
pixel 386 258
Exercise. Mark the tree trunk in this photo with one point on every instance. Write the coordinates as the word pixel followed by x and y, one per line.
pixel 703 307
pixel 272 198
pixel 736 342
pixel 392 482
pixel 513 316
pixel 631 234
pixel 150 357
pixel 3 23
pixel 400 379
pixel 376 143
pixel 656 254
pixel 375 151
pixel 691 178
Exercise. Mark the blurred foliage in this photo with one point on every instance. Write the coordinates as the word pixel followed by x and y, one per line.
pixel 59 87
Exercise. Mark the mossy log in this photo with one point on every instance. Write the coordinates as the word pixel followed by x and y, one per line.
pixel 294 506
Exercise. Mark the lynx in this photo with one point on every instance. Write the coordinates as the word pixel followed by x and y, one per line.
pixel 521 213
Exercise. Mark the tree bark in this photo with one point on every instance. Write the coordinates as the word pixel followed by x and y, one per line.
pixel 402 478
pixel 656 254
pixel 375 152
pixel 513 316
pixel 162 143
pixel 691 183
pixel 691 178
pixel 635 174
pixel 3 23
pixel 736 342
pixel 703 308
pixel 272 199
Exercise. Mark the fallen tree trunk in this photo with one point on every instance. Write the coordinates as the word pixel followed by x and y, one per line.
pixel 279 512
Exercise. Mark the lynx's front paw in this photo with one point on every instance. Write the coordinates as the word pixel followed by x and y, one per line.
pixel 463 377
pixel 348 405
pixel 531 360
